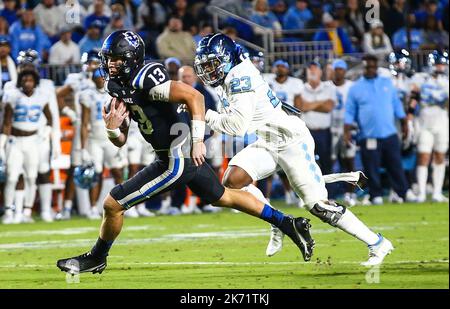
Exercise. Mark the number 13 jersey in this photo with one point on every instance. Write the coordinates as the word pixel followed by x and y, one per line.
pixel 149 107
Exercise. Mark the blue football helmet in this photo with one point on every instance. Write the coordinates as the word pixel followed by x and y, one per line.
pixel 126 45
pixel 400 62
pixel 28 57
pixel 92 55
pixel 216 55
pixel 438 58
pixel 258 60
pixel 85 176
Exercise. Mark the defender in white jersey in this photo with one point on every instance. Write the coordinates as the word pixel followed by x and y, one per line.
pixel 95 146
pixel 432 123
pixel 283 142
pixel 23 111
pixel 75 84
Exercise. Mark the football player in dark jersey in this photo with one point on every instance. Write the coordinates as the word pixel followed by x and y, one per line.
pixel 145 93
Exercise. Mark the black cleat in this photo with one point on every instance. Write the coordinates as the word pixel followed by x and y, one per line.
pixel 82 264
pixel 298 230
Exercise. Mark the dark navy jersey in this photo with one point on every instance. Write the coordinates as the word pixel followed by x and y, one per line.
pixel 155 118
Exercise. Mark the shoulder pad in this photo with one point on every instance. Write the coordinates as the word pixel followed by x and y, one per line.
pixel 149 76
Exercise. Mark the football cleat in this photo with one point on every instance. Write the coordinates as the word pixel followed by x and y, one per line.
pixel 8 217
pixel 47 216
pixel 439 198
pixel 82 264
pixel 298 230
pixel 378 251
pixel 276 241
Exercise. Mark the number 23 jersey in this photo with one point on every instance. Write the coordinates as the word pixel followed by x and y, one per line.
pixel 249 101
pixel 154 115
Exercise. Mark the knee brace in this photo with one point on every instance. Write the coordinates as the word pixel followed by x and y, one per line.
pixel 328 212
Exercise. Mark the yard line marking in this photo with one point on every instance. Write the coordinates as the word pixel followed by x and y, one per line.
pixel 233 234
pixel 218 229
pixel 201 263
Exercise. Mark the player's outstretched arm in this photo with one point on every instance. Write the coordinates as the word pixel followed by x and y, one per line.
pixel 195 102
pixel 116 122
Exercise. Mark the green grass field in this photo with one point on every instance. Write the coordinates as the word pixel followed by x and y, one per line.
pixel 227 250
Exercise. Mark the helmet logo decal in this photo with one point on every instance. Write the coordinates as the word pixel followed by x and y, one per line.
pixel 131 38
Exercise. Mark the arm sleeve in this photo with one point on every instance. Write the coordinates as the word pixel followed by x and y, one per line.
pixel 237 120
pixel 350 108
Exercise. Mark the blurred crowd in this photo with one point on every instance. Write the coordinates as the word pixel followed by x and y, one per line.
pixel 62 30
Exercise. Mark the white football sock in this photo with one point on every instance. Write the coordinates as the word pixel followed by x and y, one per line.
pixel 9 193
pixel 438 176
pixel 84 203
pixel 422 175
pixel 68 204
pixel 30 191
pixel 45 194
pixel 18 201
pixel 27 211
pixel 355 227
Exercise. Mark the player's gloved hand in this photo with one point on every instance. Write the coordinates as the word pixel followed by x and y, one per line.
pixel 116 114
pixel 198 152
pixel 86 156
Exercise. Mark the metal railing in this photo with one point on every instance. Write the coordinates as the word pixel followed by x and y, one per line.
pixel 58 73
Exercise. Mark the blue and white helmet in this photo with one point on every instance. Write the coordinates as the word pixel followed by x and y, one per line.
pixel 438 58
pixel 400 62
pixel 85 176
pixel 216 55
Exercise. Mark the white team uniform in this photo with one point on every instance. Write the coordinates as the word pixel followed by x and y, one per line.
pixel 337 124
pixel 139 152
pixel 78 82
pixel 21 150
pixel 47 87
pixel 102 151
pixel 283 142
pixel 432 122
pixel 286 91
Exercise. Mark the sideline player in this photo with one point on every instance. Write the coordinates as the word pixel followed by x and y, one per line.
pixel 283 142
pixel 145 92
pixel 50 146
pixel 24 107
pixel 95 146
pixel 75 84
pixel 432 94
